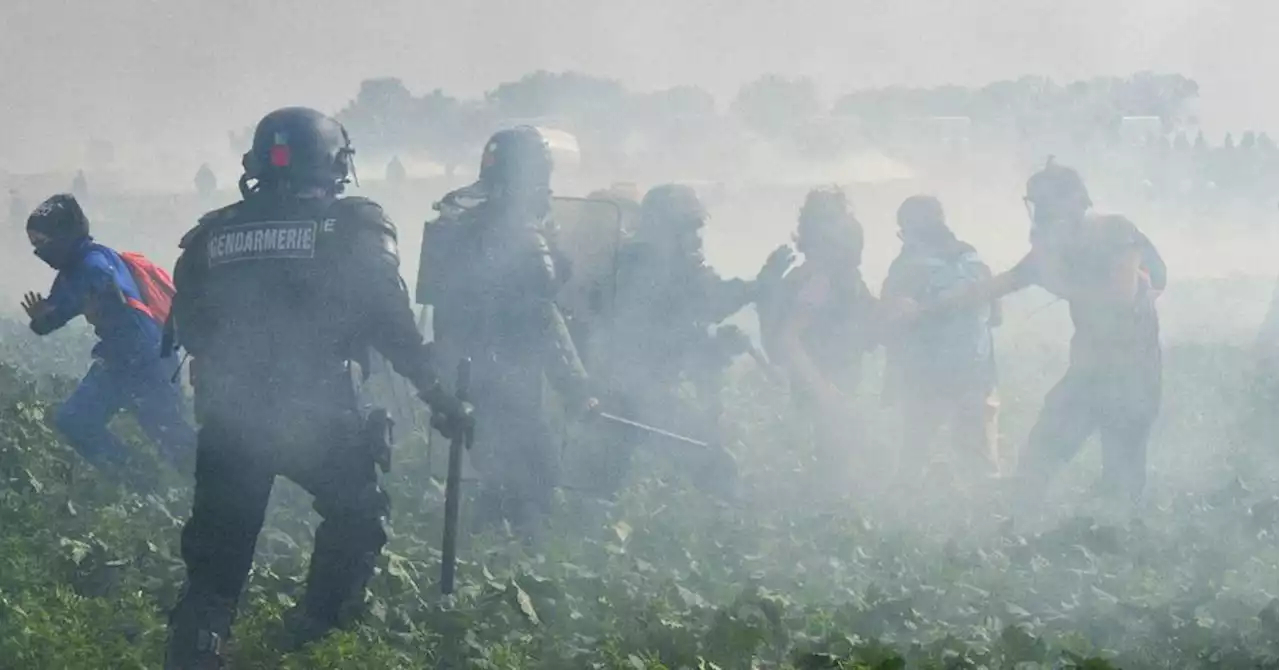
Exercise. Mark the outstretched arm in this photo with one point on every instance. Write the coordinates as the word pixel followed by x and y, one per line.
pixel 73 293
pixel 796 356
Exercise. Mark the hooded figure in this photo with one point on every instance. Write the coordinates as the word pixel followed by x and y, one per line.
pixel 941 370
pixel 127 373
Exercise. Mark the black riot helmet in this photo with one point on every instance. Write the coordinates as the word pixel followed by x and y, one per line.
pixel 673 205
pixel 672 214
pixel 516 162
pixel 1056 194
pixel 297 149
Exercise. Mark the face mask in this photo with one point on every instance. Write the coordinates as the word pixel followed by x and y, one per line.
pixel 56 253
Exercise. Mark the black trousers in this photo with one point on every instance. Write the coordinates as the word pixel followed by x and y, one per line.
pixel 236 465
pixel 517 457
pixel 1119 402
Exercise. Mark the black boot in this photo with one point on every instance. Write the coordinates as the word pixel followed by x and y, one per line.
pixel 301 629
pixel 345 555
pixel 199 629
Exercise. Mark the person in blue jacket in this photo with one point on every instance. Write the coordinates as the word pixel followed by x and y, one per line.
pixel 127 371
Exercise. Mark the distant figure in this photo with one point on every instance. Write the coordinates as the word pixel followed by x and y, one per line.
pixel 395 171
pixel 1228 142
pixel 79 186
pixel 206 182
pixel 1200 143
pixel 17 208
pixel 1248 140
pixel 126 300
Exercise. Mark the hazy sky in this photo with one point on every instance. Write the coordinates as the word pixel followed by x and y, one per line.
pixel 174 75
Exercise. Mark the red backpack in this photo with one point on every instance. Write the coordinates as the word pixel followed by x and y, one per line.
pixel 155 287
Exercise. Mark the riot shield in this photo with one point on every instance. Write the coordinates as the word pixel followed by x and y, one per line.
pixel 589 235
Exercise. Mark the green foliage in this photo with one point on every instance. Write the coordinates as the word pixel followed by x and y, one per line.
pixel 666 578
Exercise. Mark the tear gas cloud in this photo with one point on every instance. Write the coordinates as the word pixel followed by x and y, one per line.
pixel 141 94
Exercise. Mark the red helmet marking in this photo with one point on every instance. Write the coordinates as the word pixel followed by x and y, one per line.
pixel 280 155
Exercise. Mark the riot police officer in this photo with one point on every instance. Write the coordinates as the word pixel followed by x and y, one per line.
pixel 276 295
pixel 490 271
pixel 663 361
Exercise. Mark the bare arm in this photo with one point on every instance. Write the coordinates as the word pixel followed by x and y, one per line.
pixel 796 357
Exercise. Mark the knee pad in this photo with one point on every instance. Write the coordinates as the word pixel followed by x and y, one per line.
pixel 369 504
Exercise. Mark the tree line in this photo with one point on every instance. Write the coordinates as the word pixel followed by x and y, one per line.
pixel 612 121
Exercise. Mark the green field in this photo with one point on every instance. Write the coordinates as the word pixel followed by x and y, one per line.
pixel 868 574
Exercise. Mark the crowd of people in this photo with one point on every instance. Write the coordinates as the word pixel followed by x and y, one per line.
pixel 275 296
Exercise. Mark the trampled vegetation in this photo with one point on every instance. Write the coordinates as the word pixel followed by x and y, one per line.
pixel 796 576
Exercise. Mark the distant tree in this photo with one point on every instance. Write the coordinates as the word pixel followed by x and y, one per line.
pixel 672 122
pixel 570 94
pixel 386 118
pixel 383 116
pixel 773 104
pixel 451 129
pixel 595 109
pixel 1034 106
pixel 676 102
pixel 1151 94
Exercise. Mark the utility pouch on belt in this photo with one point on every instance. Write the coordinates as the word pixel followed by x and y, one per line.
pixel 377 436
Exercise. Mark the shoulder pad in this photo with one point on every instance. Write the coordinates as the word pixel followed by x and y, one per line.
pixel 222 213
pixel 360 211
pixel 458 201
pixel 212 218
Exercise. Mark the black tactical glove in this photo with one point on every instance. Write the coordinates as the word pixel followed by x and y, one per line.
pixel 452 417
